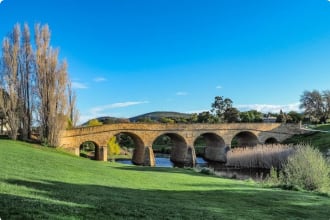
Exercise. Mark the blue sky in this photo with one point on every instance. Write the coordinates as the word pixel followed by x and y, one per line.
pixel 129 57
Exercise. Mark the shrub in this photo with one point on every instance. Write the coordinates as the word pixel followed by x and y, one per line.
pixel 275 177
pixel 94 122
pixel 113 147
pixel 307 169
pixel 204 170
pixel 207 171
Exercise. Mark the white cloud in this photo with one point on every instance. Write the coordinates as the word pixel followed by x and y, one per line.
pixel 99 79
pixel 1 1
pixel 218 87
pixel 269 108
pixel 182 93
pixel 197 111
pixel 103 108
pixel 78 85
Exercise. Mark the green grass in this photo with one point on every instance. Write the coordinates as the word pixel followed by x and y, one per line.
pixel 320 140
pixel 43 183
pixel 322 127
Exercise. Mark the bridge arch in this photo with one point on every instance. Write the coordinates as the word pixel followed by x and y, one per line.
pixel 214 149
pixel 244 139
pixel 178 147
pixel 89 149
pixel 271 140
pixel 138 157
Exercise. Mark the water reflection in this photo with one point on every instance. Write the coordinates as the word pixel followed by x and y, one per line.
pixel 163 160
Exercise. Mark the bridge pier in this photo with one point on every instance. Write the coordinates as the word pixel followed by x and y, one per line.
pixel 144 156
pixel 183 156
pixel 216 154
pixel 104 154
pixel 178 155
pixel 149 157
pixel 101 154
pixel 190 159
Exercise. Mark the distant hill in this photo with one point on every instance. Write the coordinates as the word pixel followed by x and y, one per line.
pixel 156 116
pixel 108 120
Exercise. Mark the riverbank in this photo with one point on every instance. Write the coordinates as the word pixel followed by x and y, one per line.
pixel 44 183
pixel 319 137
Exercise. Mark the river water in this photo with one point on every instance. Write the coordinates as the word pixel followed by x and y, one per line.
pixel 163 160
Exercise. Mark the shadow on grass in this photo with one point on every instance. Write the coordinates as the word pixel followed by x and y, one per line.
pixel 60 200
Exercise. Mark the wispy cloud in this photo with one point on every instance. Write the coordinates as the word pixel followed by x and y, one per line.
pixel 103 108
pixel 197 111
pixel 218 87
pixel 269 108
pixel 78 85
pixel 99 79
pixel 182 93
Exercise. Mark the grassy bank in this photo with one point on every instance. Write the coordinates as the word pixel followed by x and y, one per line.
pixel 320 140
pixel 41 183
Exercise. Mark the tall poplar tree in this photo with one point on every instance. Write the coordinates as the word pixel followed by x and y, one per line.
pixel 73 111
pixel 34 86
pixel 51 83
pixel 27 83
pixel 9 92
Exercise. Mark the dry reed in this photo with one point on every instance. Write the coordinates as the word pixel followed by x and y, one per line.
pixel 260 156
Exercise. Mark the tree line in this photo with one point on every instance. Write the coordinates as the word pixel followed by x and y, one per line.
pixel 315 107
pixel 222 111
pixel 35 89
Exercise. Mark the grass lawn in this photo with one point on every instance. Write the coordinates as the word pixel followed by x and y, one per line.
pixel 43 183
pixel 322 127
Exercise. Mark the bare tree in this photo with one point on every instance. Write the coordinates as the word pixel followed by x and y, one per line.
pixel 9 96
pixel 51 82
pixel 34 85
pixel 27 81
pixel 73 111
pixel 4 97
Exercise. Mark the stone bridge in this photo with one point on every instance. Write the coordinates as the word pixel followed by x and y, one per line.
pixel 218 139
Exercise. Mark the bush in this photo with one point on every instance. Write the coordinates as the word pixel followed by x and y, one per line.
pixel 94 122
pixel 307 169
pixel 207 171
pixel 273 178
pixel 113 147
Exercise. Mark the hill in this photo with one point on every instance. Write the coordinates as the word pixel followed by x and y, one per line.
pixel 108 120
pixel 44 183
pixel 156 116
pixel 319 138
pixel 153 116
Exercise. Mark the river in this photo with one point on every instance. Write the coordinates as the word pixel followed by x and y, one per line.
pixel 163 160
